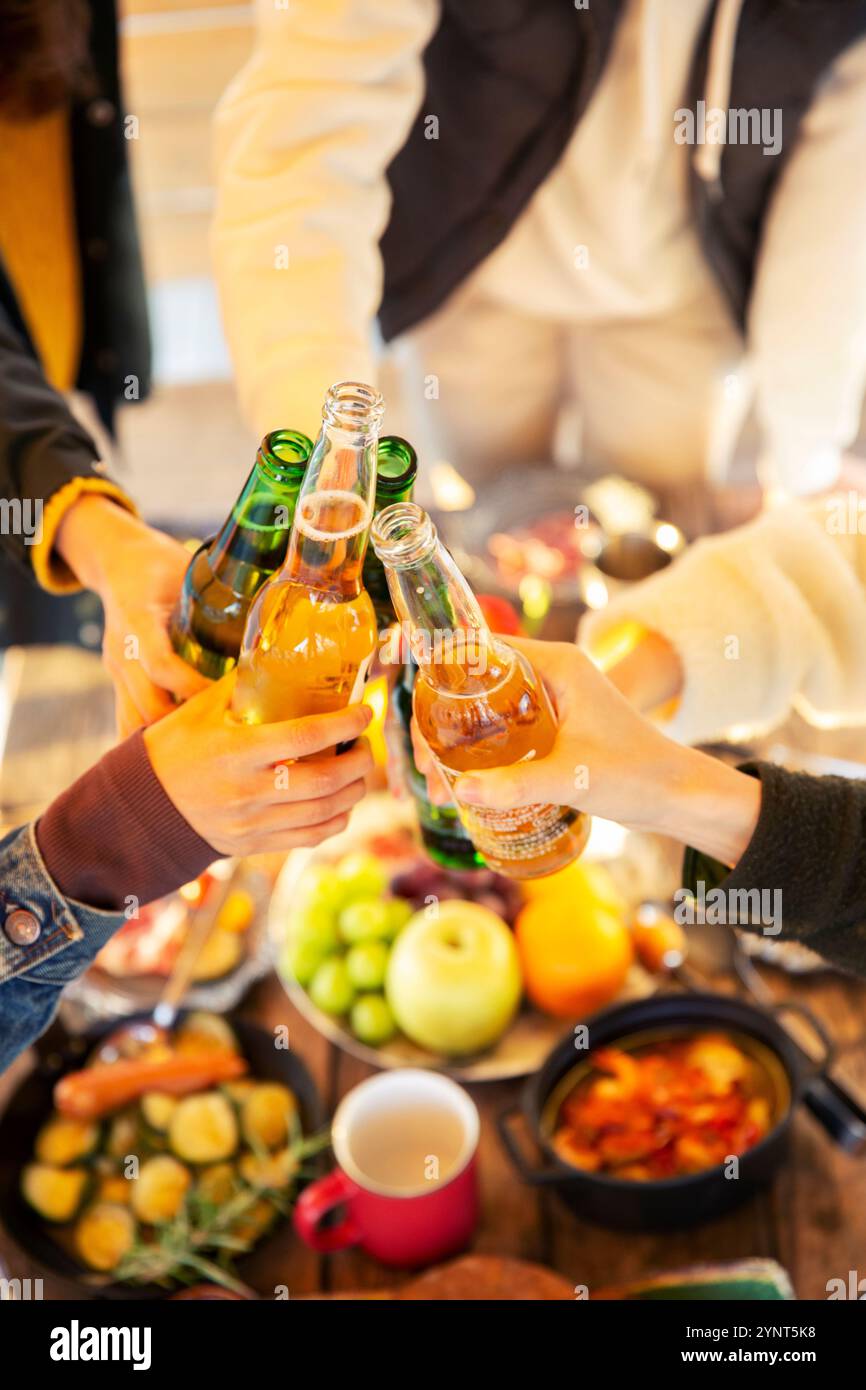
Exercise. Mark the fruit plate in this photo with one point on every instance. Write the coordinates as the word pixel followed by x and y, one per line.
pixel 385 827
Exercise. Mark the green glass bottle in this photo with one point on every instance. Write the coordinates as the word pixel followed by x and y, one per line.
pixel 226 572
pixel 397 468
pixel 443 833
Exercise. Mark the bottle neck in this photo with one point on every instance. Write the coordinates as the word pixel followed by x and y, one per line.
pixel 331 525
pixel 262 515
pixel 437 610
pixel 397 469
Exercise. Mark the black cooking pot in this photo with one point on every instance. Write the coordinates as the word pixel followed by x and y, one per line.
pixel 698 1197
pixel 31 1103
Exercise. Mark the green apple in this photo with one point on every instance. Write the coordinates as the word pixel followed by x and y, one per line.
pixel 366 964
pixel 331 989
pixel 372 1021
pixel 454 981
pixel 365 921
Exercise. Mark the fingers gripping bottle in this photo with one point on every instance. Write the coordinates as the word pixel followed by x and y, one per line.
pixel 226 572
pixel 478 702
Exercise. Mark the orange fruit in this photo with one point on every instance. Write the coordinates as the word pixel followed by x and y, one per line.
pixel 575 955
pixel 580 884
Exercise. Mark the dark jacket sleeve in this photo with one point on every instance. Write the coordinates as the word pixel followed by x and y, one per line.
pixel 807 857
pixel 42 445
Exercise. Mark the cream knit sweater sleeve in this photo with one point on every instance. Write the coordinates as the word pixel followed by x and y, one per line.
pixel 764 618
pixel 303 137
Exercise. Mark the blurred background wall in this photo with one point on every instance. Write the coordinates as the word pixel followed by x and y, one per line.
pixel 182 453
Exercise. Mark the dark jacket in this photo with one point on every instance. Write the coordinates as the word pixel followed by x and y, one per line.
pixel 808 857
pixel 508 83
pixel 115 352
pixel 42 446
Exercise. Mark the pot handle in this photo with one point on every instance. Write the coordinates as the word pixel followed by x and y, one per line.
pixel 536 1177
pixel 793 1006
pixel 837 1111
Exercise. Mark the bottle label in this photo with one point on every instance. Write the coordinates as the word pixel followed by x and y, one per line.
pixel 361 680
pixel 524 833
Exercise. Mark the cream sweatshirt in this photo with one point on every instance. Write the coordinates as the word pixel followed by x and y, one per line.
pixel 305 133
pixel 764 618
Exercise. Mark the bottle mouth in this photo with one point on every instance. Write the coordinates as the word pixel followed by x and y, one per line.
pixel 353 406
pixel 397 465
pixel 403 534
pixel 285 453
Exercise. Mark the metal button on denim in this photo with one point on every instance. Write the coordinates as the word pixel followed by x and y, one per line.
pixel 22 928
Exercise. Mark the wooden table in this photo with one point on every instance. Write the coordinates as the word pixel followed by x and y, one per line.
pixel 812 1220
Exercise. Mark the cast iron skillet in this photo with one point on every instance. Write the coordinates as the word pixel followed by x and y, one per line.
pixel 682 1201
pixel 30 1104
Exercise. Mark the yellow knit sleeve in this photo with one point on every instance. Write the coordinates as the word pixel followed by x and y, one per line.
pixel 50 571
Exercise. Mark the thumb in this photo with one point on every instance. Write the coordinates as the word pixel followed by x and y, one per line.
pixel 214 699
pixel 520 784
pixel 499 788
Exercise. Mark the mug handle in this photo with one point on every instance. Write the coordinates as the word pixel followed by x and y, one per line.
pixel 313 1206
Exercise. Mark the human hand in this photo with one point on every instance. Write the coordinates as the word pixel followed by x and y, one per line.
pixel 238 785
pixel 610 761
pixel 137 573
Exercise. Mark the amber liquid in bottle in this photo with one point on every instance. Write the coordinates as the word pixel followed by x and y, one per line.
pixel 314 628
pixel 492 720
pixel 311 630
pixel 478 702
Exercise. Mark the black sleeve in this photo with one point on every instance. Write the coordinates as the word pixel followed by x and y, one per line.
pixel 42 445
pixel 807 857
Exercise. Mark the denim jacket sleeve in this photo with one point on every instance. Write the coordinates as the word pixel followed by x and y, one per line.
pixel 60 939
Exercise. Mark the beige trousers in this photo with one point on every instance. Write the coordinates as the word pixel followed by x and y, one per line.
pixel 484 385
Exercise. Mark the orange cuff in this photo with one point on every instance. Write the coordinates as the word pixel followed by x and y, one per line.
pixel 50 571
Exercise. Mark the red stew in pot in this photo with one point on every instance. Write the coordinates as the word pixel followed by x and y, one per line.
pixel 670 1108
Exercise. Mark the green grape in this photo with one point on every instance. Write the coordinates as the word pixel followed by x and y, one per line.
pixel 301 960
pixel 367 963
pixel 372 1021
pixel 316 925
pixel 365 921
pixel 360 876
pixel 399 913
pixel 320 887
pixel 331 989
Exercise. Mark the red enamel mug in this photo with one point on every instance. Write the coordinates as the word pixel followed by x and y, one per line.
pixel 405 1142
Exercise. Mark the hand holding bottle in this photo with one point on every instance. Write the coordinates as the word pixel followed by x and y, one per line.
pixel 612 762
pixel 137 573
pixel 239 787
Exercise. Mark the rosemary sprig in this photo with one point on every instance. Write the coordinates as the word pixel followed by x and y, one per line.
pixel 181 1248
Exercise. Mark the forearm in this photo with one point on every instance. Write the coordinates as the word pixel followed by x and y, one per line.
pixel 702 802
pixel 114 839
pixel 303 138
pixel 91 538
